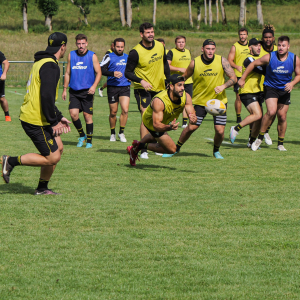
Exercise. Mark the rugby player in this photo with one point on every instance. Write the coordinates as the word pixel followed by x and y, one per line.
pixel 40 118
pixel 164 44
pixel 277 87
pixel 147 67
pixel 179 59
pixel 208 72
pixel 251 95
pixel 3 73
pixel 160 116
pixel 236 57
pixel 118 87
pixel 82 76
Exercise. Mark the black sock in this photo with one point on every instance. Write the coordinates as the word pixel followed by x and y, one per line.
pixel 43 185
pixel 15 161
pixel 102 88
pixel 89 132
pixel 261 135
pixel 184 121
pixel 79 128
pixel 143 150
pixel 6 114
pixel 252 140
pixel 113 131
pixel 216 148
pixel 238 127
pixel 280 140
pixel 121 129
pixel 250 130
pixel 267 131
pixel 143 147
pixel 178 146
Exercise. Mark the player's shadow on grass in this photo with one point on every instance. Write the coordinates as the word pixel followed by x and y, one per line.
pixel 15 188
pixel 190 154
pixel 153 167
pixel 121 151
pixel 69 143
pixel 292 142
pixel 101 137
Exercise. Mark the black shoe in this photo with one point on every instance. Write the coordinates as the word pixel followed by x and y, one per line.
pixel 6 168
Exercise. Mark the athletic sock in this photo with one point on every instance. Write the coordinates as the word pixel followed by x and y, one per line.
pixel 267 131
pixel 143 147
pixel 184 121
pixel 143 151
pixel 238 127
pixel 89 132
pixel 113 131
pixel 178 146
pixel 102 88
pixel 79 128
pixel 250 130
pixel 261 135
pixel 216 148
pixel 238 118
pixel 252 140
pixel 280 140
pixel 121 129
pixel 6 114
pixel 43 185
pixel 15 161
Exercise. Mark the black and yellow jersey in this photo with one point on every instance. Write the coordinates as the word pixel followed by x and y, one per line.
pixel 252 82
pixel 262 53
pixel 109 51
pixel 172 110
pixel 207 76
pixel 180 59
pixel 241 51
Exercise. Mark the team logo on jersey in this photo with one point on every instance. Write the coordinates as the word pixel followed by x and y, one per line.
pixel 113 99
pixel 154 58
pixel 79 66
pixel 206 73
pixel 91 108
pixel 184 58
pixel 280 70
pixel 144 100
pixel 50 142
pixel 208 70
pixel 122 62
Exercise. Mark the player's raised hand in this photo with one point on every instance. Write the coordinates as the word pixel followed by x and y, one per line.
pixel 193 118
pixel 146 85
pixel 174 125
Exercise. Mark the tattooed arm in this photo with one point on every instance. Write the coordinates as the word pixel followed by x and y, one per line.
pixel 230 73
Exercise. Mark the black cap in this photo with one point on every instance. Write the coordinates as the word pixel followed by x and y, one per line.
pixel 175 78
pixel 208 42
pixel 55 41
pixel 254 41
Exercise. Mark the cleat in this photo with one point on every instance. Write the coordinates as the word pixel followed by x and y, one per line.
pixel 267 139
pixel 7 119
pixel 135 145
pixel 184 126
pixel 156 153
pixel 233 134
pixel 100 92
pixel 6 168
pixel 81 141
pixel 249 145
pixel 113 138
pixel 133 155
pixel 168 155
pixel 45 192
pixel 144 155
pixel 255 145
pixel 281 148
pixel 89 145
pixel 122 137
pixel 218 155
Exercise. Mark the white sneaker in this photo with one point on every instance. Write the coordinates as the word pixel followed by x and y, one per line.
pixel 281 148
pixel 248 145
pixel 159 153
pixel 122 137
pixel 184 126
pixel 268 140
pixel 233 134
pixel 100 92
pixel 144 155
pixel 255 145
pixel 113 138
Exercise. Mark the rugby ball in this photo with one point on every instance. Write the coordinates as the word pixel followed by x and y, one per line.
pixel 215 107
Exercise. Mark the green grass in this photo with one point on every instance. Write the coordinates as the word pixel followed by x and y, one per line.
pixel 189 227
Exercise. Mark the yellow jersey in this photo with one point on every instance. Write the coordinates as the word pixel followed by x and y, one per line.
pixel 172 110
pixel 241 51
pixel 31 109
pixel 205 78
pixel 150 66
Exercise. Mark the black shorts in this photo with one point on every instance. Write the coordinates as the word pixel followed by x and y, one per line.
pixel 2 88
pixel 189 89
pixel 143 98
pixel 114 92
pixel 201 114
pixel 42 137
pixel 236 87
pixel 250 98
pixel 282 96
pixel 155 134
pixel 81 100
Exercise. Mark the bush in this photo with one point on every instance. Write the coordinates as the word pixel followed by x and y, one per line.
pixel 39 28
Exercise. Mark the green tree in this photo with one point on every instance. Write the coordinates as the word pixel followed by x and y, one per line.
pixel 49 8
pixel 84 6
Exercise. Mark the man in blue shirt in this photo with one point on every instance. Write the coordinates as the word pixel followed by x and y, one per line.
pixel 278 85
pixel 113 66
pixel 82 76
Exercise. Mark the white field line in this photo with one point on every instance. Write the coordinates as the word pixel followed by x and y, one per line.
pixel 16 93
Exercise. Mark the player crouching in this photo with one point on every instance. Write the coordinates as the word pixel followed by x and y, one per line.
pixel 160 117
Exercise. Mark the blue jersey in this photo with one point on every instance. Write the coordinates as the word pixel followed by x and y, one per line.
pixel 279 73
pixel 82 71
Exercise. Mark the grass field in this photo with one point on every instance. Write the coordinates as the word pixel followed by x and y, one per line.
pixel 188 227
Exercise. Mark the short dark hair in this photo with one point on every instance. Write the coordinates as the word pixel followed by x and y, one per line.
pixel 145 26
pixel 161 40
pixel 284 38
pixel 178 37
pixel 119 40
pixel 80 36
pixel 243 29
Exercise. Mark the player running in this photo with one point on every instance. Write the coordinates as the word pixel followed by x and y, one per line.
pixel 277 87
pixel 3 73
pixel 82 76
pixel 160 116
pixel 118 87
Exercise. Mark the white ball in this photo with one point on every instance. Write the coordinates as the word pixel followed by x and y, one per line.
pixel 215 107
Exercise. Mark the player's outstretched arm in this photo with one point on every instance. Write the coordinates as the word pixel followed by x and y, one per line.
pixel 67 78
pixel 98 75
pixel 5 69
pixel 190 109
pixel 231 57
pixel 289 86
pixel 189 71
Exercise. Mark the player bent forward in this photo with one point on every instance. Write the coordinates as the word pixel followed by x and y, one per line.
pixel 160 117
